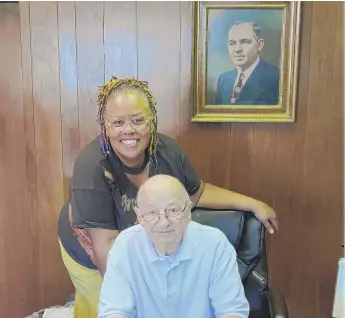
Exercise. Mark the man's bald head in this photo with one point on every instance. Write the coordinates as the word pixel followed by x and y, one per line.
pixel 162 187
pixel 164 211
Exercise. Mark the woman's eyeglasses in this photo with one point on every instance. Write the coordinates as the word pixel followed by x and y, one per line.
pixel 119 123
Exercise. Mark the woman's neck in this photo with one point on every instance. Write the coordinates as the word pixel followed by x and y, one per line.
pixel 133 163
pixel 135 166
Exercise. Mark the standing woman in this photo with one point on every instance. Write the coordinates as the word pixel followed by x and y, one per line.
pixel 107 175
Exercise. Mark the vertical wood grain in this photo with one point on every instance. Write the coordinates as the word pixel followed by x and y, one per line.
pixel 219 150
pixel 334 172
pixel 191 136
pixel 18 261
pixel 335 147
pixel 288 174
pixel 60 52
pixel 264 153
pixel 120 39
pixel 158 58
pixel 31 171
pixel 315 183
pixel 68 90
pixel 241 161
pixel 185 57
pixel 90 65
pixel 47 120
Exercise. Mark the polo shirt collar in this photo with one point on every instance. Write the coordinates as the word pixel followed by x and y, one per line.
pixel 184 252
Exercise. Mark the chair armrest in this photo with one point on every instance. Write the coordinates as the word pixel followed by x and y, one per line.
pixel 277 304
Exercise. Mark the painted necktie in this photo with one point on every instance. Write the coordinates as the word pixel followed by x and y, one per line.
pixel 237 89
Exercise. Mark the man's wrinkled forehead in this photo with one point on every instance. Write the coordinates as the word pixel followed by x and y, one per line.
pixel 241 31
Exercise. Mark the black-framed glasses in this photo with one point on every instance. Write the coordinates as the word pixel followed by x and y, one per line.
pixel 172 213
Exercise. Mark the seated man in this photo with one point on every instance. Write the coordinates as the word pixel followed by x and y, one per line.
pixel 169 266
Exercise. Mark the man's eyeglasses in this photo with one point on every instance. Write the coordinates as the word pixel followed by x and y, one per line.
pixel 119 123
pixel 172 213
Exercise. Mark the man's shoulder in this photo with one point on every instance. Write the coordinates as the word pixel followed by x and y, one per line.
pixel 128 239
pixel 132 236
pixel 210 239
pixel 269 68
pixel 128 234
pixel 208 235
pixel 229 75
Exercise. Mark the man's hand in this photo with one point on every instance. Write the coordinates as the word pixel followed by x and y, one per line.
pixel 267 216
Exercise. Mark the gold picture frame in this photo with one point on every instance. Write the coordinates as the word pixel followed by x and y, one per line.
pixel 235 34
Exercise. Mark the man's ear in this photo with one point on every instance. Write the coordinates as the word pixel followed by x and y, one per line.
pixel 189 208
pixel 136 210
pixel 261 44
pixel 138 214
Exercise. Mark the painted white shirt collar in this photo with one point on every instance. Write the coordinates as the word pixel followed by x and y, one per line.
pixel 247 72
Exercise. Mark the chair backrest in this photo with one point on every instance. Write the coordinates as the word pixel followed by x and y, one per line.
pixel 247 235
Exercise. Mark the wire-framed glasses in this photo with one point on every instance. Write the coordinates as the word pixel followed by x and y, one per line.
pixel 119 123
pixel 172 213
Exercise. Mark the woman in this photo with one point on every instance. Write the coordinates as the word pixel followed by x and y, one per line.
pixel 107 175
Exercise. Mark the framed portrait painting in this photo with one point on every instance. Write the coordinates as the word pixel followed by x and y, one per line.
pixel 245 61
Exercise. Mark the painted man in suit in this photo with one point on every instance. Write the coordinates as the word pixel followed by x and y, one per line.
pixel 253 81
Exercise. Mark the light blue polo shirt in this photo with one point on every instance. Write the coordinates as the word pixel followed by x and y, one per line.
pixel 200 280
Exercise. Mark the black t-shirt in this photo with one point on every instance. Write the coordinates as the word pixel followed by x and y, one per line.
pixel 107 203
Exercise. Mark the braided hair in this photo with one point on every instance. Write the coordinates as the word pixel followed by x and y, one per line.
pixel 112 88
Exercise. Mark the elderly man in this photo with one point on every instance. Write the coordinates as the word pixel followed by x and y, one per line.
pixel 169 266
pixel 253 81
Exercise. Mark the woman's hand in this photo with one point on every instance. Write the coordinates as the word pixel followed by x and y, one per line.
pixel 213 197
pixel 267 216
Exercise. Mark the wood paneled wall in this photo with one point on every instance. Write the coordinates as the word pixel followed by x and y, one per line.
pixel 53 56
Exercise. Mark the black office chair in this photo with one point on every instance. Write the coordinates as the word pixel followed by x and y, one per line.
pixel 247 235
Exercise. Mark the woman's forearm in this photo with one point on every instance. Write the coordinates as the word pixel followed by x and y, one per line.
pixel 214 197
pixel 102 240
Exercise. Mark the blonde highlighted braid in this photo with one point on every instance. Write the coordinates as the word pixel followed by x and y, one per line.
pixel 115 86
